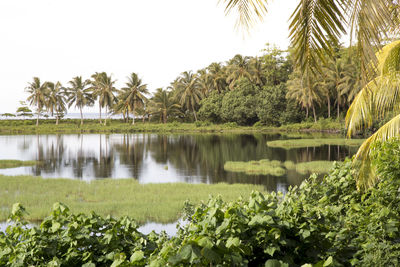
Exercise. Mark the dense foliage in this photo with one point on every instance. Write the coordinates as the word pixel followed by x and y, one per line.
pixel 323 222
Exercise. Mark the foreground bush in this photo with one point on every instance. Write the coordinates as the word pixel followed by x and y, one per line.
pixel 325 223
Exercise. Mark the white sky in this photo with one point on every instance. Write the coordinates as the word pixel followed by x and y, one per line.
pixel 56 40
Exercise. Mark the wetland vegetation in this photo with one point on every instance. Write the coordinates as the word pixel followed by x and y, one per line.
pixel 115 197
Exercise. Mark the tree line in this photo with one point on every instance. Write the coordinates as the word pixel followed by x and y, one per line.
pixel 245 90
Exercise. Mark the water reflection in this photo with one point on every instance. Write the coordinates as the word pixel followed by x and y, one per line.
pixel 155 158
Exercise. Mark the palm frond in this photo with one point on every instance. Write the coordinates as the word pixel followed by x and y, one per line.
pixel 315 26
pixel 249 11
pixel 366 174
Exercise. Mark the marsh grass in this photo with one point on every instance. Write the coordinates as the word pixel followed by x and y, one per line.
pixel 117 197
pixel 300 143
pixel 278 168
pixel 264 167
pixel 11 163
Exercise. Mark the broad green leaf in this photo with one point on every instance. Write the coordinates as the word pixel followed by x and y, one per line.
pixel 137 256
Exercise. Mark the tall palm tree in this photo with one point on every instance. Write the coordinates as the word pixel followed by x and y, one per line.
pixel 306 92
pixel 37 97
pixel 134 94
pixel 79 93
pixel 55 101
pixel 188 92
pixel 217 77
pixel 163 104
pixel 238 67
pixel 104 90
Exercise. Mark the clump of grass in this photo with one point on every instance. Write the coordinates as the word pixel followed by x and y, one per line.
pixel 300 143
pixel 116 197
pixel 278 168
pixel 318 166
pixel 11 163
pixel 264 166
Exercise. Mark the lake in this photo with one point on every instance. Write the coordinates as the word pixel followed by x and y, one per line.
pixel 158 158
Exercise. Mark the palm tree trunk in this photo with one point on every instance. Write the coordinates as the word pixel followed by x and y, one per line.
pixel 37 119
pixel 56 119
pixel 100 112
pixel 329 105
pixel 306 112
pixel 315 116
pixel 81 115
pixel 133 115
pixel 105 117
pixel 165 116
pixel 338 107
pixel 194 113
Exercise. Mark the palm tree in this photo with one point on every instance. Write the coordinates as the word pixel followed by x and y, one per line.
pixel 38 92
pixel 79 94
pixel 188 92
pixel 238 67
pixel 104 89
pixel 217 77
pixel 306 92
pixel 55 102
pixel 163 104
pixel 134 94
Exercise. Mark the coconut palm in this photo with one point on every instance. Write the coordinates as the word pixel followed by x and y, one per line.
pixel 379 98
pixel 163 104
pixel 188 92
pixel 55 102
pixel 134 94
pixel 306 92
pixel 217 77
pixel 37 97
pixel 238 67
pixel 79 93
pixel 104 90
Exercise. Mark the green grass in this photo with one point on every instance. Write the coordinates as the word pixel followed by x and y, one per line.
pixel 300 143
pixel 277 168
pixel 264 167
pixel 118 126
pixel 116 197
pixel 11 163
pixel 318 166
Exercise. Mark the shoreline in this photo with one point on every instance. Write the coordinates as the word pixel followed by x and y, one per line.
pixel 118 126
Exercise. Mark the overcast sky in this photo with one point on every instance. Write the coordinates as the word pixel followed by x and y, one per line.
pixel 56 40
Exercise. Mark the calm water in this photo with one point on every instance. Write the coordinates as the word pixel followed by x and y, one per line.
pixel 155 158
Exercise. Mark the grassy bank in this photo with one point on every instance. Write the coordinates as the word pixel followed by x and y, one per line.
pixel 300 143
pixel 11 163
pixel 149 202
pixel 278 168
pixel 118 126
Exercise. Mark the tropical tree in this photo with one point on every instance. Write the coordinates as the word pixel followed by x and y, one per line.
pixel 37 97
pixel 306 92
pixel 163 104
pixel 188 92
pixel 79 93
pixel 104 90
pixel 238 67
pixel 55 100
pixel 134 94
pixel 217 77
